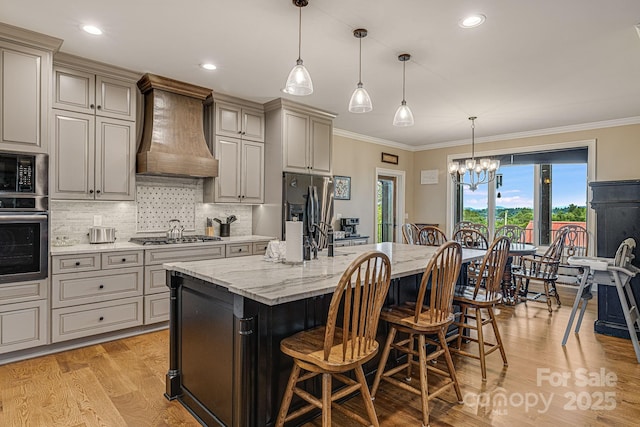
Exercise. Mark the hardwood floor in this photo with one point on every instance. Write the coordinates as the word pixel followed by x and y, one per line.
pixel 121 383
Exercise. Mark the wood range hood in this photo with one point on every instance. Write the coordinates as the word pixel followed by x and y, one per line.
pixel 173 142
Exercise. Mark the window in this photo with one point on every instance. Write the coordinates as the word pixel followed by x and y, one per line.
pixel 539 191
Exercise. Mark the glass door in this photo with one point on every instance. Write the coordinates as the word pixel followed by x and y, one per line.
pixel 386 208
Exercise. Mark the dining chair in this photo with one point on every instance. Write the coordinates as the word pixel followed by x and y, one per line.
pixel 428 321
pixel 576 243
pixel 514 233
pixel 410 233
pixel 430 235
pixel 346 342
pixel 470 238
pixel 481 228
pixel 541 268
pixel 476 296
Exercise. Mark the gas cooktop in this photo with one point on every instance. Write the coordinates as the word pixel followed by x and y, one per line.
pixel 167 241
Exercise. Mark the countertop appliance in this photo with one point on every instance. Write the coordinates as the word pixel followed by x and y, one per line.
pixel 98 234
pixel 166 241
pixel 24 217
pixel 308 198
pixel 349 226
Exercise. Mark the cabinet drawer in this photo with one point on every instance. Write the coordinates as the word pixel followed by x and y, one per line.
pixel 23 291
pixel 23 325
pixel 341 243
pixel 156 308
pixel 91 319
pixel 122 259
pixel 83 288
pixel 75 263
pixel 239 249
pixel 159 256
pixel 260 248
pixel 155 279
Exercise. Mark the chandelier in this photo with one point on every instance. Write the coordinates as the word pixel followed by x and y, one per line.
pixel 477 171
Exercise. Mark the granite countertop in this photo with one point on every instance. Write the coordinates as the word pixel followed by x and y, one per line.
pixel 276 283
pixel 128 246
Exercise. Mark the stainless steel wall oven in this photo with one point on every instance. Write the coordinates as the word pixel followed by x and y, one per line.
pixel 24 217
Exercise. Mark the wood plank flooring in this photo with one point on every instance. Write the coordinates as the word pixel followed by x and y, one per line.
pixel 121 383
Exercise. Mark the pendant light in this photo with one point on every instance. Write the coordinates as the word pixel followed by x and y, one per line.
pixel 360 101
pixel 299 81
pixel 404 116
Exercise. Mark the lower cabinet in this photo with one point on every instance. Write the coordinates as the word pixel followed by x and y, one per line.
pixel 92 319
pixel 351 242
pixel 96 293
pixel 24 315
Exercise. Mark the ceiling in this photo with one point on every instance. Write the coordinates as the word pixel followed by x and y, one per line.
pixel 533 65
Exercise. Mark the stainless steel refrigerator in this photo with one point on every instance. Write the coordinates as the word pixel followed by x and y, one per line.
pixel 308 198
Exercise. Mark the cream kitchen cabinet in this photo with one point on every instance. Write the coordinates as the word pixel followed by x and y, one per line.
pixel 235 132
pixel 299 137
pixel 307 143
pixel 236 121
pixel 240 172
pixel 93 153
pixel 89 93
pixel 25 75
pixel 96 293
pixel 24 315
pixel 92 158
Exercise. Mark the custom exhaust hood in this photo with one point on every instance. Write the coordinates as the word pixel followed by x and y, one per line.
pixel 173 140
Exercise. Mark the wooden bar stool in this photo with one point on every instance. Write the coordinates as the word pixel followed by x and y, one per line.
pixel 335 349
pixel 429 316
pixel 482 293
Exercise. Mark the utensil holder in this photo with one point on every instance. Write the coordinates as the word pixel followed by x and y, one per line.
pixel 225 230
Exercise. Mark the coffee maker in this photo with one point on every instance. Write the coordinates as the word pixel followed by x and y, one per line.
pixel 349 226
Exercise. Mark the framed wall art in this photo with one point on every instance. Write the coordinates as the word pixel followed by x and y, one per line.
pixel 342 187
pixel 389 158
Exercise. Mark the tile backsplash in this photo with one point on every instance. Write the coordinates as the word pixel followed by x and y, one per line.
pixel 159 199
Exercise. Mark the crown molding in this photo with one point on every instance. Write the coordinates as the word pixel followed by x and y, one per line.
pixel 516 135
pixel 373 140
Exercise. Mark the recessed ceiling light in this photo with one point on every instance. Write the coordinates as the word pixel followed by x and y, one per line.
pixel 208 66
pixel 472 21
pixel 91 29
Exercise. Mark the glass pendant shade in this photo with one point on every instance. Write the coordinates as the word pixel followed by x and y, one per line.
pixel 404 116
pixel 360 101
pixel 299 81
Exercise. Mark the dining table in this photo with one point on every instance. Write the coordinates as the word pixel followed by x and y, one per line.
pixel 517 249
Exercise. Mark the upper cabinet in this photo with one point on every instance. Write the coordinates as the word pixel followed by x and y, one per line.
pixel 305 137
pixel 239 122
pixel 25 73
pixel 83 92
pixel 235 131
pixel 93 122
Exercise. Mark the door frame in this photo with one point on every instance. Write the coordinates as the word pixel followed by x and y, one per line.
pixel 400 176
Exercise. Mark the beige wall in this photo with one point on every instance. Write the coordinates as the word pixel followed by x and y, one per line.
pixel 617 158
pixel 359 160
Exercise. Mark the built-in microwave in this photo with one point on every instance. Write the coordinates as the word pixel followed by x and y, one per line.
pixel 24 217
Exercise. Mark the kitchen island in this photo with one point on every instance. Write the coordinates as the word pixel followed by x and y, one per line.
pixel 228 317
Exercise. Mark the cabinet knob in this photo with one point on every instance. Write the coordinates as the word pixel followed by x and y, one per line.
pixel 77 263
pixel 240 250
pixel 243 197
pixel 98 191
pixel 101 287
pixel 92 106
pixel 244 133
pixel 90 191
pixel 101 318
pixel 240 132
pixel 124 260
pixel 99 107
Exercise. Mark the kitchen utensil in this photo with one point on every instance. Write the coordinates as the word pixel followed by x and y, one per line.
pixel 208 230
pixel 231 218
pixel 102 234
pixel 175 229
pixel 217 220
